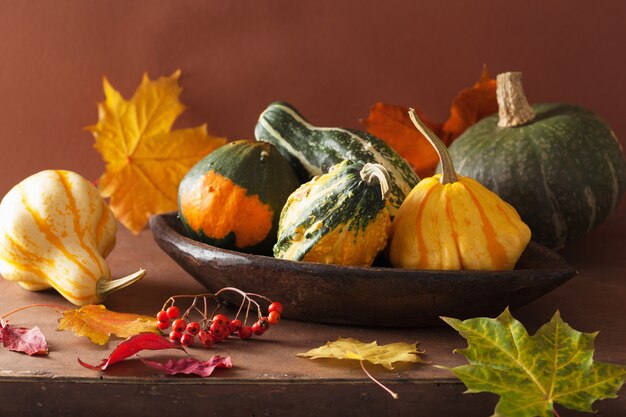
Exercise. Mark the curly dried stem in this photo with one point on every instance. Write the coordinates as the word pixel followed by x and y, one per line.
pixel 373 174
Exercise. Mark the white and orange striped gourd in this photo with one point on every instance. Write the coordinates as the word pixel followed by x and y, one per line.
pixel 55 231
pixel 453 222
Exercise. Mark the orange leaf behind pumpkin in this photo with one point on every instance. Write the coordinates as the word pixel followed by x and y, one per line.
pixel 471 105
pixel 392 124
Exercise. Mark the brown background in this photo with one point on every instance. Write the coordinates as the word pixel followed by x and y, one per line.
pixel 332 59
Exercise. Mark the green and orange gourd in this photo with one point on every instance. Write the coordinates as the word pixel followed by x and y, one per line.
pixel 340 217
pixel 233 197
pixel 313 150
pixel 452 222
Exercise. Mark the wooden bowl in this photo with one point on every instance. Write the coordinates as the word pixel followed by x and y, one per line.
pixel 374 296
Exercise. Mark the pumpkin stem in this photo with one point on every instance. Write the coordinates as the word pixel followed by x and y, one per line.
pixel 513 108
pixel 106 287
pixel 448 175
pixel 376 173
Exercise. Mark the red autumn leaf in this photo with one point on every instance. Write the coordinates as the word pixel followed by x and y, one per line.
pixel 132 345
pixel 190 365
pixel 22 339
pixel 392 124
pixel 471 105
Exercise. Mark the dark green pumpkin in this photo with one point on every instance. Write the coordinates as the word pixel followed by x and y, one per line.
pixel 339 217
pixel 564 171
pixel 312 150
pixel 233 197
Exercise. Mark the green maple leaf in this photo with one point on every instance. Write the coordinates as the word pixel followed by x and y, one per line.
pixel 532 373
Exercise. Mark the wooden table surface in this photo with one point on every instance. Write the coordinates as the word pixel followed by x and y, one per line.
pixel 267 378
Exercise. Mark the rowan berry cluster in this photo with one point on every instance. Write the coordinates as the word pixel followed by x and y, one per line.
pixel 210 327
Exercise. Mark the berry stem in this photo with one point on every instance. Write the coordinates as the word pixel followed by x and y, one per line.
pixel 240 308
pixel 213 313
pixel 173 298
pixel 245 296
pixel 393 394
pixel 193 304
pixel 247 311
pixel 555 413
pixel 260 296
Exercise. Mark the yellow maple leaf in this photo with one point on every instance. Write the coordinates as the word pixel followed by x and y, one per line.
pixel 98 324
pixel 145 159
pixel 385 355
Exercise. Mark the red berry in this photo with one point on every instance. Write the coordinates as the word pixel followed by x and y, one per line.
pixel 186 339
pixel 173 312
pixel 163 325
pixel 273 318
pixel 257 329
pixel 206 338
pixel 179 325
pixel 175 336
pixel 245 332
pixel 193 328
pixel 235 325
pixel 276 306
pixel 221 319
pixel 264 323
pixel 162 317
pixel 219 331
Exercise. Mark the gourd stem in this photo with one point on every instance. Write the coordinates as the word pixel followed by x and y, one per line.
pixel 447 168
pixel 373 174
pixel 106 287
pixel 513 108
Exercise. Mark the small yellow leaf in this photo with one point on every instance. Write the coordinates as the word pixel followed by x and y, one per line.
pixel 384 355
pixel 98 324
pixel 145 160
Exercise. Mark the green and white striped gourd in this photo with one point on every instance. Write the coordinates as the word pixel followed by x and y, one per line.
pixel 337 218
pixel 559 165
pixel 313 150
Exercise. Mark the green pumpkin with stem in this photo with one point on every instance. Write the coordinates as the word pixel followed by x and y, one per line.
pixel 559 165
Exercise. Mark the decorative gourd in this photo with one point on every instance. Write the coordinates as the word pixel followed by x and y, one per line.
pixel 314 150
pixel 453 222
pixel 337 218
pixel 55 231
pixel 233 197
pixel 559 165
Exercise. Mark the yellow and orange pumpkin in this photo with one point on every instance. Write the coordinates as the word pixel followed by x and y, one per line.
pixel 55 231
pixel 453 222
